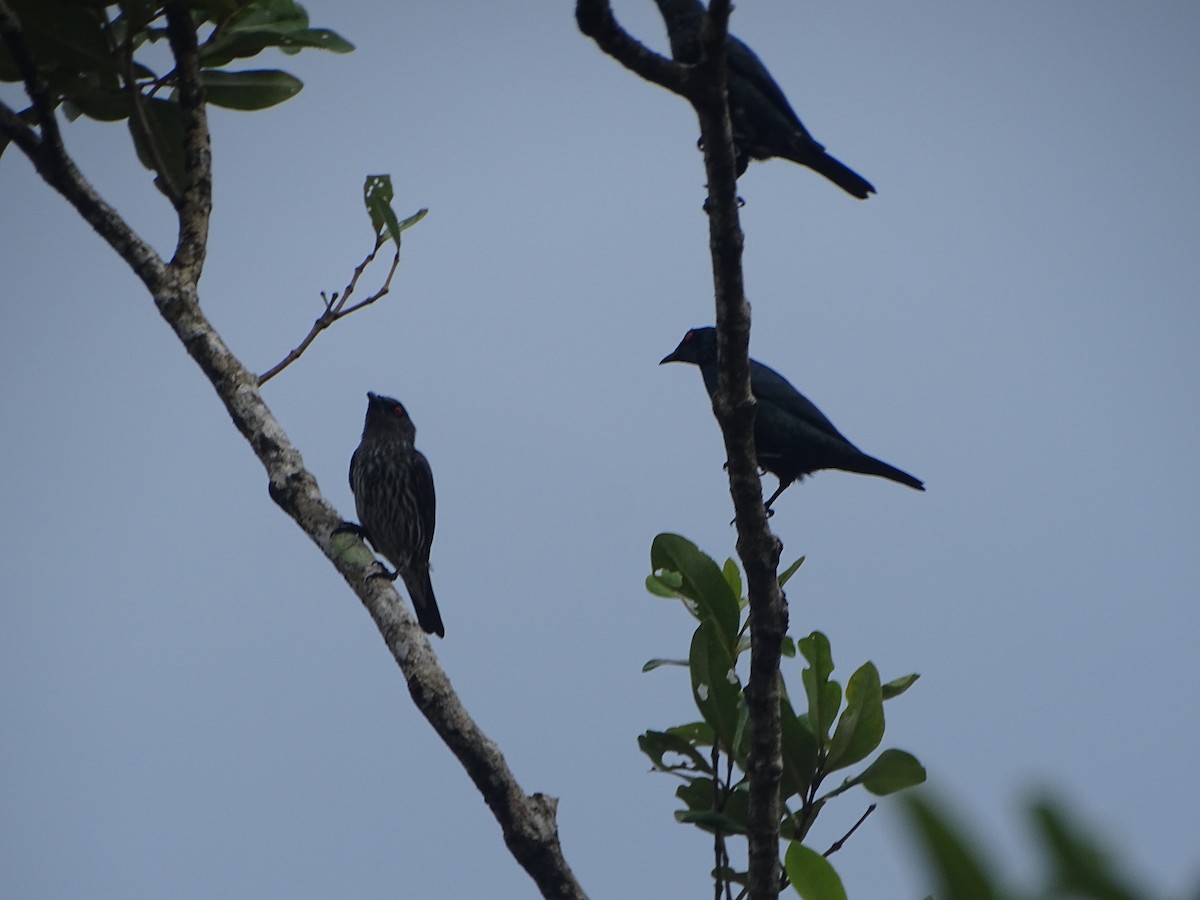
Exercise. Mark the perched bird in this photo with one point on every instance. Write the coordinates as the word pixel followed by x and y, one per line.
pixel 791 436
pixel 393 492
pixel 764 123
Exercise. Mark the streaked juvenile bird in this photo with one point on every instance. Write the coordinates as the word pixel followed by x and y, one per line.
pixel 393 492
pixel 764 123
pixel 792 438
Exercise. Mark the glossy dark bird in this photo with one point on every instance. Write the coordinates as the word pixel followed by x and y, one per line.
pixel 791 436
pixel 393 492
pixel 764 123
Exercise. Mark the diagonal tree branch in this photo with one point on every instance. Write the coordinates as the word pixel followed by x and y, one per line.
pixel 528 822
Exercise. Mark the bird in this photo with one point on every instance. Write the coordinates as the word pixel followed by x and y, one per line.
pixel 764 123
pixel 792 438
pixel 393 493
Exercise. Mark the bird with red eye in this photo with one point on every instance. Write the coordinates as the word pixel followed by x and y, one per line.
pixel 396 503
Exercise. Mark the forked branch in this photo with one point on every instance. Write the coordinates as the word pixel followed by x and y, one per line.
pixel 336 308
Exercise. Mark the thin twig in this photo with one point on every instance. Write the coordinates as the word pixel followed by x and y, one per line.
pixel 596 20
pixel 335 308
pixel 837 845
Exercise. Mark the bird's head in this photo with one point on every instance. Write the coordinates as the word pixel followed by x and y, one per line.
pixel 386 416
pixel 698 346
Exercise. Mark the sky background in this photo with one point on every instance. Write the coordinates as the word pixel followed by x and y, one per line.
pixel 195 705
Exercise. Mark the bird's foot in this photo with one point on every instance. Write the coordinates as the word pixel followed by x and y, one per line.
pixel 708 209
pixel 350 528
pixel 770 512
pixel 384 573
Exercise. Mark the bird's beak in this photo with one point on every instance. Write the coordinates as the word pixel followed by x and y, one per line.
pixel 670 357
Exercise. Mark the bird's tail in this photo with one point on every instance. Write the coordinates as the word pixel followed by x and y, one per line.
pixel 845 178
pixel 420 589
pixel 869 465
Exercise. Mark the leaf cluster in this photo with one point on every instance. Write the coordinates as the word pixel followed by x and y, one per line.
pixel 1075 864
pixel 97 59
pixel 836 729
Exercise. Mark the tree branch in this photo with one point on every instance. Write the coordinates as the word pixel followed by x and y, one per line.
pixel 528 822
pixel 841 842
pixel 699 74
pixel 335 308
pixel 758 549
pixel 195 205
pixel 595 19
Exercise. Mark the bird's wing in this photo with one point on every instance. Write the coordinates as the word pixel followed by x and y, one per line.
pixel 771 387
pixel 745 64
pixel 422 487
pixel 353 465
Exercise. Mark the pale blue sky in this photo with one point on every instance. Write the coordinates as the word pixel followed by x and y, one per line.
pixel 194 705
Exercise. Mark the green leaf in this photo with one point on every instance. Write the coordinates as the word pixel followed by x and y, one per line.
pixel 1078 864
pixel 246 29
pixel 284 15
pixel 651 664
pixel 657 744
pixel 697 794
pixel 665 584
pixel 892 770
pixel 860 729
pixel 249 90
pixel 788 647
pixel 787 573
pixel 702 796
pixel 702 582
pixel 741 736
pixel 960 873
pixel 244 43
pixel 710 820
pixel 743 645
pixel 824 695
pixel 733 577
pixel 698 734
pixel 715 685
pixel 377 194
pixel 412 220
pixel 816 650
pixel 165 123
pixel 811 875
pixel 61 37
pixel 103 106
pixel 898 686
pixel 799 746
